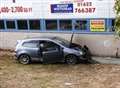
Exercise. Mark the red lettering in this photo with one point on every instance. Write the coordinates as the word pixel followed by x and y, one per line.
pixel 16 9
pixel 85 10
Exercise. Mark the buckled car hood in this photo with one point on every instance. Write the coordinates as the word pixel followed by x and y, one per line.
pixel 75 46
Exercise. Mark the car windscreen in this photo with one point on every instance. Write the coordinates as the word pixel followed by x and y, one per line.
pixel 62 41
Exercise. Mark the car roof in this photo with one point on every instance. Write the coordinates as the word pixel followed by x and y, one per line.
pixel 41 38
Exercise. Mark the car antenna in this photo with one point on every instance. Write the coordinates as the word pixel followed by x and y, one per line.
pixel 71 38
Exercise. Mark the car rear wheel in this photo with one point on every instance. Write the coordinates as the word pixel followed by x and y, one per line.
pixel 71 59
pixel 24 59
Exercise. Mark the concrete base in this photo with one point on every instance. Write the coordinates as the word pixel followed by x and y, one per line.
pixel 100 45
pixel 107 60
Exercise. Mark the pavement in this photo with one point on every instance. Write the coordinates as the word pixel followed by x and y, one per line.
pixel 106 60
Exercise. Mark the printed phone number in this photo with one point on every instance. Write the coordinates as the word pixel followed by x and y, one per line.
pixel 85 10
pixel 17 9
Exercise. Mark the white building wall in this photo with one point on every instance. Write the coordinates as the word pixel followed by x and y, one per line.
pixel 101 45
pixel 41 9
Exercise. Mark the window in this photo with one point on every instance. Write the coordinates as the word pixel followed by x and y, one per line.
pixel 80 25
pixel 22 24
pixel 2 26
pixel 66 24
pixel 31 44
pixel 51 24
pixel 113 24
pixel 34 24
pixel 10 24
pixel 48 46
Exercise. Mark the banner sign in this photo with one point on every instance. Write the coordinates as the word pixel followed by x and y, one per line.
pixel 97 25
pixel 61 8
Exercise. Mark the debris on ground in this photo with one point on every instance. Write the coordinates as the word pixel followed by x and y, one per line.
pixel 36 75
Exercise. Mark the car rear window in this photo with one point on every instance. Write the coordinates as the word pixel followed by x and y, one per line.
pixel 31 44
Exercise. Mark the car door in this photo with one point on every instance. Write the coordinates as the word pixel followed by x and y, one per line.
pixel 51 52
pixel 31 48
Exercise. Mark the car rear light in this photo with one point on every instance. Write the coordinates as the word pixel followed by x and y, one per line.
pixel 18 41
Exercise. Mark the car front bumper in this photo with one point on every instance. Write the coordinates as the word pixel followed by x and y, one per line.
pixel 87 54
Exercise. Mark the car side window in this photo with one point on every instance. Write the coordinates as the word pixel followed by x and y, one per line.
pixel 31 44
pixel 48 46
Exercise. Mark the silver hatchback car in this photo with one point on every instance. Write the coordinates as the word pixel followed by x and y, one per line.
pixel 50 50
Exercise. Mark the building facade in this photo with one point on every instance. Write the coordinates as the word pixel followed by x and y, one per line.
pixel 92 21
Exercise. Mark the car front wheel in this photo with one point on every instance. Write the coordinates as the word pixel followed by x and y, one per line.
pixel 24 59
pixel 71 59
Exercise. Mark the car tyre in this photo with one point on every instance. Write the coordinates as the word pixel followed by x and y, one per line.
pixel 24 59
pixel 71 59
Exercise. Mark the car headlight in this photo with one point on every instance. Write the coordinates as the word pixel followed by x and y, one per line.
pixel 80 52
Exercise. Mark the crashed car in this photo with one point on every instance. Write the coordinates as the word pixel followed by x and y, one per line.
pixel 50 50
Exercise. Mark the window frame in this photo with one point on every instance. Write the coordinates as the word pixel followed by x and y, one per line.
pixel 108 24
pixel 112 28
pixel 7 26
pixel 56 46
pixel 34 29
pixel 81 30
pixel 4 25
pixel 56 29
pixel 71 29
pixel 37 41
pixel 25 29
